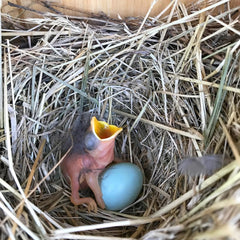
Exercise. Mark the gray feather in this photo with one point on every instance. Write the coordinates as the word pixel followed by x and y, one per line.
pixel 206 165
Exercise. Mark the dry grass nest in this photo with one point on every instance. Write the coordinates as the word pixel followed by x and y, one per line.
pixel 172 83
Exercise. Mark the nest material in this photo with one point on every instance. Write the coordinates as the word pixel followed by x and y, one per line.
pixel 173 84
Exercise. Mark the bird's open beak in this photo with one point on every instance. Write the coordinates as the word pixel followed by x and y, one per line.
pixel 101 140
pixel 103 131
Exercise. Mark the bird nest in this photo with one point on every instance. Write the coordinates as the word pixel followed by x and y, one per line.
pixel 171 83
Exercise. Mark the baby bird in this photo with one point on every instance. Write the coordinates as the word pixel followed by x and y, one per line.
pixel 90 154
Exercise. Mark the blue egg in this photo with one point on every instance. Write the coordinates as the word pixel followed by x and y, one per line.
pixel 121 184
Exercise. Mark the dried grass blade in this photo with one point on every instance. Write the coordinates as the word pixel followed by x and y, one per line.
pixel 85 74
pixel 227 26
pixel 129 222
pixel 222 231
pixel 67 85
pixel 138 118
pixel 210 84
pixel 231 143
pixel 18 222
pixel 1 81
pixel 29 181
pixel 19 196
pixel 162 126
pixel 88 237
pixel 226 186
pixel 208 133
pixel 208 182
pixel 10 157
pixel 201 90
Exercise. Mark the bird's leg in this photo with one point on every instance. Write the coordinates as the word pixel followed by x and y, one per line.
pixel 92 181
pixel 76 200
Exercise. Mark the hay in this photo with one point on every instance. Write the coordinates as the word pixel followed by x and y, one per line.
pixel 173 84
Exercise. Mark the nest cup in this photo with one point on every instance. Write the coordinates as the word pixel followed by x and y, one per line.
pixel 173 85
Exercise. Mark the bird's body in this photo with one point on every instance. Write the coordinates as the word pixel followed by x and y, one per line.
pixel 82 165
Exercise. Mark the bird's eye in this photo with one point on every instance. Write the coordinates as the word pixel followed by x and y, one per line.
pixel 90 141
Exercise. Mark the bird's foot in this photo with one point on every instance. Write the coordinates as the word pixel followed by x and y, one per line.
pixel 100 202
pixel 92 206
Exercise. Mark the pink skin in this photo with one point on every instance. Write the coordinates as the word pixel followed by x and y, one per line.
pixel 83 170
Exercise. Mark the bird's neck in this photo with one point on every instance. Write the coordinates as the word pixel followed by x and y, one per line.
pixel 104 153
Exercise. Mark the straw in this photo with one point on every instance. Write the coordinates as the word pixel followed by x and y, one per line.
pixel 171 82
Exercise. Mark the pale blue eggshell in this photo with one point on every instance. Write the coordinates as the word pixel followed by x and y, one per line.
pixel 121 184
